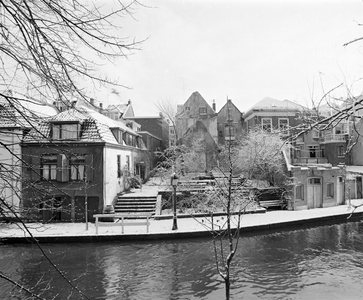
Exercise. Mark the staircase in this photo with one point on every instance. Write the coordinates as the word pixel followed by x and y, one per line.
pixel 128 204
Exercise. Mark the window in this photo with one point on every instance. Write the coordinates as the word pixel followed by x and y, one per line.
pixel 229 132
pixel 340 151
pixel 128 163
pixel 117 133
pixel 266 124
pixel 119 173
pixel 283 124
pixel 313 151
pixel 77 167
pixel 315 133
pixel 202 111
pixel 330 190
pixel 65 131
pixel 315 180
pixel 299 192
pixel 49 167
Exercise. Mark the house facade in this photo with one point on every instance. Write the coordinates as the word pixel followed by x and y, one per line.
pixel 18 115
pixel 157 126
pixel 272 114
pixel 197 121
pixel 77 161
pixel 229 123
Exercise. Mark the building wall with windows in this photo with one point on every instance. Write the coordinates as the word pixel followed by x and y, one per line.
pixel 230 123
pixel 77 156
pixel 316 187
pixel 157 126
pixel 273 114
pixel 196 116
pixel 62 173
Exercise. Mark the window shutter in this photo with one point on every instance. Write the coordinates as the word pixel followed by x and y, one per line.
pixel 62 168
pixel 35 168
pixel 89 167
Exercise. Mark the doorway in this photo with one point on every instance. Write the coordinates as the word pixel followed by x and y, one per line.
pixel 314 196
pixel 340 190
pixel 358 182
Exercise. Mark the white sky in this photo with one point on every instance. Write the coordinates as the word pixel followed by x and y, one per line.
pixel 246 50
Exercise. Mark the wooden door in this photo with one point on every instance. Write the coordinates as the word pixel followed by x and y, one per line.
pixel 340 191
pixel 314 196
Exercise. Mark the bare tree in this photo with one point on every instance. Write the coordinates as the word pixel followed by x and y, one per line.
pixel 51 47
pixel 52 51
pixel 169 110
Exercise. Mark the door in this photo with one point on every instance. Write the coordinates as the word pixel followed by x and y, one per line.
pixel 359 187
pixel 314 196
pixel 340 191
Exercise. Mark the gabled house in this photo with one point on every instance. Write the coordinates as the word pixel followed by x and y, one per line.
pixel 75 160
pixel 196 116
pixel 229 123
pixel 196 120
pixel 18 115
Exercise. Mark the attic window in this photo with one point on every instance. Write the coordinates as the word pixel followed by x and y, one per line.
pixel 202 111
pixel 187 108
pixel 66 131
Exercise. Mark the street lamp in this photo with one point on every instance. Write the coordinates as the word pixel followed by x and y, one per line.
pixel 174 183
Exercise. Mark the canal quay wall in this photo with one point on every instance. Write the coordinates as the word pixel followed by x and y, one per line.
pixel 188 227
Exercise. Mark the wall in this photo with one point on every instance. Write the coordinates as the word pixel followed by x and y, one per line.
pixel 229 110
pixel 36 191
pixel 301 176
pixel 11 188
pixel 156 126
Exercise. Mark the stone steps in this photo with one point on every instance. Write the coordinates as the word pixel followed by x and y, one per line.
pixel 135 205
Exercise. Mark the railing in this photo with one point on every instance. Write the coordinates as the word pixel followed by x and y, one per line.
pixel 126 220
pixel 310 160
pixel 331 137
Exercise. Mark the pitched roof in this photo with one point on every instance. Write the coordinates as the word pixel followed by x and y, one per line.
pixel 16 110
pixel 271 104
pixel 95 126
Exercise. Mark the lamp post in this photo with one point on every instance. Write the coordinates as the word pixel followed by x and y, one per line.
pixel 174 182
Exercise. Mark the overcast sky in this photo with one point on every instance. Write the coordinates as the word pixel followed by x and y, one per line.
pixel 246 50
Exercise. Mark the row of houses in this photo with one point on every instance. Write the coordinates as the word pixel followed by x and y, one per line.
pixel 56 159
pixel 323 152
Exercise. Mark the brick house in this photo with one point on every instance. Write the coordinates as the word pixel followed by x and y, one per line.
pixel 75 158
pixel 272 114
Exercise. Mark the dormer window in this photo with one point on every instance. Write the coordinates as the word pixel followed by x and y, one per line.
pixel 66 131
pixel 117 133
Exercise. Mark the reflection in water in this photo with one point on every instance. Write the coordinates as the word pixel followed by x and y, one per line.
pixel 316 263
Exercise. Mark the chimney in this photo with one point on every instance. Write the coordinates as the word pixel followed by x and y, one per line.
pixel 92 101
pixel 129 102
pixel 101 106
pixel 214 105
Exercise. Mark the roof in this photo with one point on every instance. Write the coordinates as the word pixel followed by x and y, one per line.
pixel 95 126
pixel 16 110
pixel 271 104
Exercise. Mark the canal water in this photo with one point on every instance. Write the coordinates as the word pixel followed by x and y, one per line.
pixel 316 263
